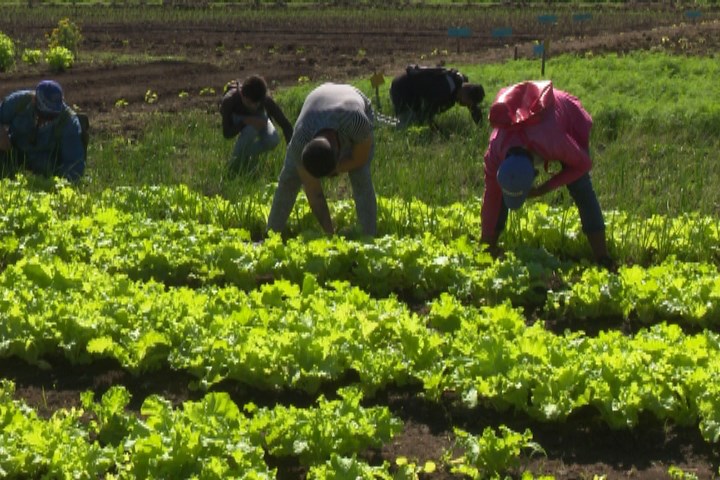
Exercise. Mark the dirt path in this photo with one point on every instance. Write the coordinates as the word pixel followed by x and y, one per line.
pixel 203 57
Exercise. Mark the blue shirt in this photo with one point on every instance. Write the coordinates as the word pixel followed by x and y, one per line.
pixel 46 150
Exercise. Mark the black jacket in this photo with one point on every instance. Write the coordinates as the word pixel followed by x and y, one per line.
pixel 425 91
pixel 231 103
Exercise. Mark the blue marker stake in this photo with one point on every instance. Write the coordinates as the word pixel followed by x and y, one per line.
pixel 459 32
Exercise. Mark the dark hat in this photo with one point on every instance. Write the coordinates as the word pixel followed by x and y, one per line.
pixel 49 98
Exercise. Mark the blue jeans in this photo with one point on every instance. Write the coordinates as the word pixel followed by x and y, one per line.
pixel 250 143
pixel 583 194
pixel 591 217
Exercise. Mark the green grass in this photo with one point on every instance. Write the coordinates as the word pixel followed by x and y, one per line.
pixel 654 143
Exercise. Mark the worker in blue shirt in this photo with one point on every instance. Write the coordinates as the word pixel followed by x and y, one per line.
pixel 40 133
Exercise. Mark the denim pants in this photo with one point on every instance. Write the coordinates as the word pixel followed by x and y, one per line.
pixel 289 185
pixel 583 194
pixel 591 217
pixel 251 142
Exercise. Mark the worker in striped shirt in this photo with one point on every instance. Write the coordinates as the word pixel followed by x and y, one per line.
pixel 333 134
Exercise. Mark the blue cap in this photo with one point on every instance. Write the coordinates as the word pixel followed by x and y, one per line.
pixel 49 97
pixel 515 176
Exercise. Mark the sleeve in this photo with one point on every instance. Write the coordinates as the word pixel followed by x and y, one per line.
pixel 294 149
pixel 492 195
pixel 72 154
pixel 359 127
pixel 398 90
pixel 576 162
pixel 226 111
pixel 572 148
pixel 8 108
pixel 4 113
pixel 276 114
pixel 579 121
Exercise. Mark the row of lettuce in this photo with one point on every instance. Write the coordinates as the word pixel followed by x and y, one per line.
pixel 285 335
pixel 162 277
pixel 33 219
pixel 180 252
pixel 213 438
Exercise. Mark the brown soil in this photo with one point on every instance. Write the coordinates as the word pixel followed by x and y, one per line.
pixel 211 54
pixel 208 55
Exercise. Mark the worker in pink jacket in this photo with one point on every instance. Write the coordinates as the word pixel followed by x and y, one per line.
pixel 534 124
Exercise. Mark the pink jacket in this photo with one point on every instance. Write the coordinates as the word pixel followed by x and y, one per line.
pixel 550 123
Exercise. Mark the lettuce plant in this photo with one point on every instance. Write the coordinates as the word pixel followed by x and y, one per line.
pixel 7 52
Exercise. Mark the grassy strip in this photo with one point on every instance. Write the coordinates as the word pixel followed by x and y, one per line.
pixel 438 13
pixel 654 140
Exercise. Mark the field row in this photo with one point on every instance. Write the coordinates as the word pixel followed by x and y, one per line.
pixel 37 220
pixel 287 336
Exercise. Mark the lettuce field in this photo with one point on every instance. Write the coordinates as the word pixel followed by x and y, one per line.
pixel 149 328
pixel 290 355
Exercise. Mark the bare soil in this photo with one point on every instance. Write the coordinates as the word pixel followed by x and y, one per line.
pixel 208 55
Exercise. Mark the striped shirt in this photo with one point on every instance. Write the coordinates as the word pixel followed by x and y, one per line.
pixel 342 108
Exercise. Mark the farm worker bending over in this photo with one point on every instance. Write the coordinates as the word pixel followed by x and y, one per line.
pixel 248 112
pixel 40 133
pixel 333 134
pixel 423 92
pixel 533 123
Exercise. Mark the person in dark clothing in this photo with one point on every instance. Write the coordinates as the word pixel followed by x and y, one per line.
pixel 423 92
pixel 248 112
pixel 41 134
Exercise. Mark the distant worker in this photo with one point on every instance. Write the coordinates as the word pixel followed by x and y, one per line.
pixel 534 124
pixel 333 134
pixel 423 92
pixel 38 132
pixel 248 112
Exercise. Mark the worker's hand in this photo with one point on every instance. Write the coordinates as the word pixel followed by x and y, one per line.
pixel 607 263
pixel 343 165
pixel 232 85
pixel 538 191
pixel 495 252
pixel 476 114
pixel 258 122
pixel 339 167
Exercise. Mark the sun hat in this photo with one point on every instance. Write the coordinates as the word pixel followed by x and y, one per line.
pixel 49 98
pixel 515 176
